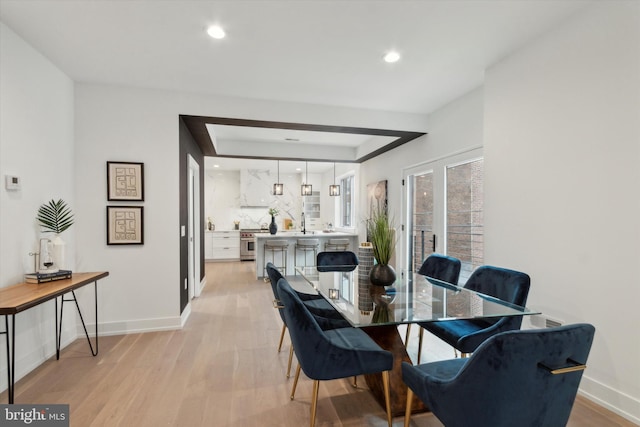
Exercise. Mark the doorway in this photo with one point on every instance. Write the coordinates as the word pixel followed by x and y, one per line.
pixel 193 236
pixel 443 211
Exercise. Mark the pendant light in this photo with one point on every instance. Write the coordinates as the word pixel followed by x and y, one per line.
pixel 334 190
pixel 278 187
pixel 306 187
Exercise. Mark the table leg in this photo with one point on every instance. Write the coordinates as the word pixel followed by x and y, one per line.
pixel 389 339
pixel 11 354
pixel 84 326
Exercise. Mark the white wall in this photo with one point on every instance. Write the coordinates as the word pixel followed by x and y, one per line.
pixel 36 144
pixel 455 128
pixel 562 148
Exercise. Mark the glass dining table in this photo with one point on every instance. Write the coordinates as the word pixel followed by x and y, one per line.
pixel 411 299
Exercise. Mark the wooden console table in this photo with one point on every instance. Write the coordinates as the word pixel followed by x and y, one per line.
pixel 18 298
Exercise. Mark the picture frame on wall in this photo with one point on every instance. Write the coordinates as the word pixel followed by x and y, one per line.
pixel 125 225
pixel 125 181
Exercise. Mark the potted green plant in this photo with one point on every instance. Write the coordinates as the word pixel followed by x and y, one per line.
pixel 56 217
pixel 383 239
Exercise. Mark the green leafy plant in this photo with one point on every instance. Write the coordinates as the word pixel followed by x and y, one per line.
pixel 273 211
pixel 55 216
pixel 382 236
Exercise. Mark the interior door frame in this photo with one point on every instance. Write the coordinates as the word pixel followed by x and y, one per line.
pixel 193 232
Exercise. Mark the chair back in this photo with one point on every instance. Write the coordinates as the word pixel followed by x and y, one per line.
pixel 336 261
pixel 441 267
pixel 508 285
pixel 331 354
pixel 274 275
pixel 523 378
pixel 306 335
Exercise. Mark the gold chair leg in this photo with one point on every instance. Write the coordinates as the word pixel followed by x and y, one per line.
pixel 407 412
pixel 406 337
pixel 295 382
pixel 284 328
pixel 290 359
pixel 387 397
pixel 355 382
pixel 420 333
pixel 314 402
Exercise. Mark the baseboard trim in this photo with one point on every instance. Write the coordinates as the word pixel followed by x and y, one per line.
pixel 614 400
pixel 133 326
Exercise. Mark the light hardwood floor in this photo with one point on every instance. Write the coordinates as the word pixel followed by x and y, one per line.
pixel 222 369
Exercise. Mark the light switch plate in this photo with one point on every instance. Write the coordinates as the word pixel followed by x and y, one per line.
pixel 183 231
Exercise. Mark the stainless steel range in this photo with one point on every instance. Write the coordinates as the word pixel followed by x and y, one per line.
pixel 248 244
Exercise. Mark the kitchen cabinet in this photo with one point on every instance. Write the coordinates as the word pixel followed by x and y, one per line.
pixel 222 245
pixel 312 211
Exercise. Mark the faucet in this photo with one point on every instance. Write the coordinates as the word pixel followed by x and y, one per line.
pixel 302 223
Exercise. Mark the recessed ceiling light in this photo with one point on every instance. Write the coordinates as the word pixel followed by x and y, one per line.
pixel 216 32
pixel 392 56
pixel 216 166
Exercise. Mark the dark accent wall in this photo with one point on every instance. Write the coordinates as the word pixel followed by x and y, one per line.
pixel 188 146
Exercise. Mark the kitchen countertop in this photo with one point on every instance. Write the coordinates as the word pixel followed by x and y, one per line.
pixel 314 234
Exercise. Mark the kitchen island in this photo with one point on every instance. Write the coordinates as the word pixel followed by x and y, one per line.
pixel 292 237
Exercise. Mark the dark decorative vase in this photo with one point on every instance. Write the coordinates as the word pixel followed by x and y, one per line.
pixel 382 275
pixel 273 227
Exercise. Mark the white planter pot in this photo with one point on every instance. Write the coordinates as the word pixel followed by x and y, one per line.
pixel 58 255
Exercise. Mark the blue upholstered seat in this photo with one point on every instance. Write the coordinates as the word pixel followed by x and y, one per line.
pixel 466 335
pixel 508 381
pixel 441 267
pixel 332 354
pixel 337 261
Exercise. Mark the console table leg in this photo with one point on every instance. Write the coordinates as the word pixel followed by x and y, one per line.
pixel 95 353
pixel 11 354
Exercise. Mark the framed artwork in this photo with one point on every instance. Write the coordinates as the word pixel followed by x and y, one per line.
pixel 125 181
pixel 377 197
pixel 125 225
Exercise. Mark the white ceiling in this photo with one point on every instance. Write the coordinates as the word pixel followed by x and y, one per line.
pixel 312 52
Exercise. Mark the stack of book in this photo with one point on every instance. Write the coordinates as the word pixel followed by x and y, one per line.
pixel 47 277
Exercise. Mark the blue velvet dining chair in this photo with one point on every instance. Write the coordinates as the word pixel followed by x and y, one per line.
pixel 327 316
pixel 336 261
pixel 465 335
pixel 332 354
pixel 523 378
pixel 441 267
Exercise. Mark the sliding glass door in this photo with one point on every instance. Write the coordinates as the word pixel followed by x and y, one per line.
pixel 444 211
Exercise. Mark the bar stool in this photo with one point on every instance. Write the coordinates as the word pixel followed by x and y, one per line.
pixel 306 246
pixel 275 246
pixel 333 245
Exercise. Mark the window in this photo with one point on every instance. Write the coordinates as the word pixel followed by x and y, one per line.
pixel 346 201
pixel 444 211
pixel 465 219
